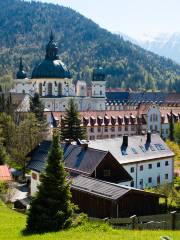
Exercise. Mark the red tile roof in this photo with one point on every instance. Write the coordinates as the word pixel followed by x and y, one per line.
pixel 5 174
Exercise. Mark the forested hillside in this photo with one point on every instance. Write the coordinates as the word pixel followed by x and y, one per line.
pixel 25 28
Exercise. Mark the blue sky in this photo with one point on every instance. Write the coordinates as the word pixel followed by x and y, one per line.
pixel 132 17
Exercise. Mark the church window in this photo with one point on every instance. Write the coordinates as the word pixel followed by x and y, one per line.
pixel 59 89
pixel 40 89
pixel 49 89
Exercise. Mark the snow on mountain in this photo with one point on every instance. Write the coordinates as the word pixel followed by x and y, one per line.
pixel 164 44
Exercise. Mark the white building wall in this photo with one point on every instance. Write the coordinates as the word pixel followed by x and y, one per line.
pixel 103 132
pixel 154 119
pixel 34 182
pixel 23 86
pixel 98 88
pixel 83 103
pixel 165 130
pixel 141 178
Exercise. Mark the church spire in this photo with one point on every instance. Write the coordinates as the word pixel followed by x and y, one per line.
pixel 21 65
pixel 21 74
pixel 51 36
pixel 51 49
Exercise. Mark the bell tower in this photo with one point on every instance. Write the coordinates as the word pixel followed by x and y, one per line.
pixel 98 83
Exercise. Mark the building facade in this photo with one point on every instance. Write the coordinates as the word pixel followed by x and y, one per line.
pixel 146 158
pixel 53 81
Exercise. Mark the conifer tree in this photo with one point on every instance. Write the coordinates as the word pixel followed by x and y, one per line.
pixel 4 157
pixel 71 124
pixel 51 209
pixel 37 107
pixel 171 127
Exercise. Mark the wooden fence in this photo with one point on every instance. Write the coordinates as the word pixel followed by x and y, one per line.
pixel 169 221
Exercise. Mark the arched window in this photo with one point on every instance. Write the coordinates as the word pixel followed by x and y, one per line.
pixel 49 89
pixel 40 89
pixel 59 89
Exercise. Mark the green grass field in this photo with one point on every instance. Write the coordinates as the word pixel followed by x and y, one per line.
pixel 13 223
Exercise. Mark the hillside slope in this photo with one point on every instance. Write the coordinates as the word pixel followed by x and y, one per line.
pixel 25 28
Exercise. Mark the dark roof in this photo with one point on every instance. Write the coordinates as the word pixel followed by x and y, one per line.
pixel 137 150
pixel 51 69
pixel 39 156
pixel 77 158
pixel 98 74
pixel 104 189
pixel 136 97
pixel 120 97
pixel 84 160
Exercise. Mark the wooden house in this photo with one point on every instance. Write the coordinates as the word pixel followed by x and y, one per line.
pixel 102 199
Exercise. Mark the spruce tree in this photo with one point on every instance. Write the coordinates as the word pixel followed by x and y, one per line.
pixel 171 127
pixel 51 209
pixel 71 124
pixel 37 107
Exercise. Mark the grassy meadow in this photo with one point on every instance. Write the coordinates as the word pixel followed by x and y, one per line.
pixel 13 223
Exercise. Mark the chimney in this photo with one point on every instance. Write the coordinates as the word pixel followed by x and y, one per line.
pixel 148 137
pixel 84 145
pixel 67 141
pixel 125 141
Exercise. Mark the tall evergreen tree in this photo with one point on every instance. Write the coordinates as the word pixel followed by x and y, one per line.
pixel 37 107
pixel 171 127
pixel 71 124
pixel 4 157
pixel 51 209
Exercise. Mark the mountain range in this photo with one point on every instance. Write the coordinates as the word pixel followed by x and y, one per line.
pixel 164 44
pixel 24 32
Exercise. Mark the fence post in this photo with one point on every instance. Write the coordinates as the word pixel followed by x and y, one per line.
pixel 134 222
pixel 173 220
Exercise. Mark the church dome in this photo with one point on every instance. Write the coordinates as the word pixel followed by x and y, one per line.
pixel 98 74
pixel 51 66
pixel 21 74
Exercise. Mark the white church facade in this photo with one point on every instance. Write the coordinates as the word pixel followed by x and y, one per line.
pixel 54 83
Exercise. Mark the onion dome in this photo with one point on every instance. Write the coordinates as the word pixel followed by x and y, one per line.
pixel 51 66
pixel 21 74
pixel 98 74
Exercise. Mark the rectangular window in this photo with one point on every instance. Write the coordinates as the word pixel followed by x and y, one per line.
pixel 119 129
pixel 166 176
pixel 152 148
pixel 106 129
pixel 158 180
pixel 132 128
pixel 141 168
pixel 99 129
pixel 166 163
pixel 142 148
pixel 92 137
pixel 132 169
pixel 112 129
pixel 134 150
pixel 107 172
pixel 132 183
pixel 34 176
pixel 150 166
pixel 141 183
pixel 150 180
pixel 126 128
pixel 91 129
pixel 158 164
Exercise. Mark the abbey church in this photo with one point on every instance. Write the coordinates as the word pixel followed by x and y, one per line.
pixel 53 81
